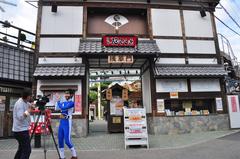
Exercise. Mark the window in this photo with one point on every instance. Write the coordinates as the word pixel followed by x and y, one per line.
pixel 189 107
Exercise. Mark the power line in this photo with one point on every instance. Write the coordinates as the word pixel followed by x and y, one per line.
pixel 234 9
pixel 227 25
pixel 229 15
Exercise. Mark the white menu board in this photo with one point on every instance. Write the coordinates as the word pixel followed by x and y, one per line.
pixel 135 127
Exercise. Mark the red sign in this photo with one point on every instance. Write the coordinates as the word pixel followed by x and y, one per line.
pixel 78 104
pixel 119 41
pixel 234 104
pixel 44 121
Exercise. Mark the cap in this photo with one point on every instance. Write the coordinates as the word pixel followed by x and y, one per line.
pixel 69 91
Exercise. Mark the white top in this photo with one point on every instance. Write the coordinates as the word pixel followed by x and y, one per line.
pixel 20 122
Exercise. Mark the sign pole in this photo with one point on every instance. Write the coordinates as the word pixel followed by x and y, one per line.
pixel 99 99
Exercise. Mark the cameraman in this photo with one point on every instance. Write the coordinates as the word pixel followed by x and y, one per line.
pixel 21 122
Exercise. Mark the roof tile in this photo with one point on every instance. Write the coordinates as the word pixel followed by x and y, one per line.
pixel 183 71
pixel 58 71
pixel 94 46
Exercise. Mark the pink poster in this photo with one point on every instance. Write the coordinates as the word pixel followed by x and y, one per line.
pixel 234 104
pixel 78 104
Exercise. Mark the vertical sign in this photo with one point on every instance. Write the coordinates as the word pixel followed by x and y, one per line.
pixel 219 104
pixel 2 103
pixel 109 94
pixel 234 104
pixel 234 110
pixel 78 104
pixel 160 106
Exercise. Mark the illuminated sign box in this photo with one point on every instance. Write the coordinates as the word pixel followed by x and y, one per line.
pixel 119 41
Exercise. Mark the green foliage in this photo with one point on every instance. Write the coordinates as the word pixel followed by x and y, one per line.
pixel 92 96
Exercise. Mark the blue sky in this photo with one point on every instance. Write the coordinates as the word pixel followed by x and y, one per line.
pixel 24 16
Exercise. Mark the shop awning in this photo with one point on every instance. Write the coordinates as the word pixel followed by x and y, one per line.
pixel 189 71
pixel 94 46
pixel 59 71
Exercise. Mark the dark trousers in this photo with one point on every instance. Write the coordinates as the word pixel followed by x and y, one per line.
pixel 24 146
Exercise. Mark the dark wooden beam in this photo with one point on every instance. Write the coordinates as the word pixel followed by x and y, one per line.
pixel 61 35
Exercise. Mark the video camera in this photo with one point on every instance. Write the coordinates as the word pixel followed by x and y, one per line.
pixel 41 101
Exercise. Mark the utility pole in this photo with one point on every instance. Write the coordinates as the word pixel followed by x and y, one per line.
pixel 99 98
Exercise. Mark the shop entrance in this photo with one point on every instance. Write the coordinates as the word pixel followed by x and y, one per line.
pixel 6 114
pixel 112 87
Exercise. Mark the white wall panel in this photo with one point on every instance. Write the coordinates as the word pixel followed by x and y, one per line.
pixel 170 46
pixel 59 82
pixel 201 46
pixel 205 85
pixel 171 61
pixel 202 61
pixel 77 60
pixel 67 20
pixel 147 100
pixel 197 26
pixel 171 85
pixel 59 44
pixel 166 22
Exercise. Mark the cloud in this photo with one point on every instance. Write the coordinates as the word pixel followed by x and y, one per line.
pixel 23 16
pixel 232 7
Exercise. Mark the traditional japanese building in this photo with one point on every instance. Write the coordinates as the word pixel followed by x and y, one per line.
pixel 173 43
pixel 16 69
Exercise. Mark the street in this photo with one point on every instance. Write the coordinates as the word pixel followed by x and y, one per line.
pixel 220 148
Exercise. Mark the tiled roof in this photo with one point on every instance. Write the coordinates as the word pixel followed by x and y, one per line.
pixel 190 71
pixel 94 46
pixel 59 71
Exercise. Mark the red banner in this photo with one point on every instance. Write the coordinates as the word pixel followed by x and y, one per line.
pixel 78 104
pixel 234 104
pixel 119 41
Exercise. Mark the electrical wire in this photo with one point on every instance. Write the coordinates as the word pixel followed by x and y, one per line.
pixel 229 15
pixel 227 25
pixel 233 8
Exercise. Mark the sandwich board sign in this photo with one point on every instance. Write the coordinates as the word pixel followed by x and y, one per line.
pixel 135 127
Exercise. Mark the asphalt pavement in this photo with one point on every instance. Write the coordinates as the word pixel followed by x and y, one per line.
pixel 221 147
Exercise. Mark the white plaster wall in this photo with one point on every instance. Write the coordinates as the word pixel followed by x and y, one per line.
pixel 166 22
pixel 202 61
pixel 171 61
pixel 54 60
pixel 205 85
pixel 59 82
pixel 147 91
pixel 67 20
pixel 197 26
pixel 59 44
pixel 170 46
pixel 201 46
pixel 171 85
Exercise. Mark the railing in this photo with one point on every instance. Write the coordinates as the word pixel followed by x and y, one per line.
pixel 227 51
pixel 16 36
pixel 225 47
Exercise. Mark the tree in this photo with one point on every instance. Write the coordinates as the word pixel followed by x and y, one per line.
pixel 92 96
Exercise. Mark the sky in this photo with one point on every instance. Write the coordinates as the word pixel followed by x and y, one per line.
pixel 24 16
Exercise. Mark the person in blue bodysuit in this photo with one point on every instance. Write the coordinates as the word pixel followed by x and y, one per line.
pixel 64 130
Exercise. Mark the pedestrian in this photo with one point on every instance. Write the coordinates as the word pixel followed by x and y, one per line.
pixel 21 123
pixel 64 130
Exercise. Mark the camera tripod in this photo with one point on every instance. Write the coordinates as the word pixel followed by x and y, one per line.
pixel 46 124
